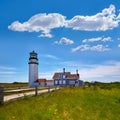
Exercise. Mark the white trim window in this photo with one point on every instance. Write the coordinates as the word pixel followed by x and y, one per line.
pixel 56 82
pixel 64 76
pixel 60 82
pixel 64 82
pixel 71 82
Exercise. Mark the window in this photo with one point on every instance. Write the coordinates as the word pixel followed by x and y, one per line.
pixel 64 76
pixel 60 82
pixel 71 82
pixel 56 82
pixel 64 81
pixel 60 76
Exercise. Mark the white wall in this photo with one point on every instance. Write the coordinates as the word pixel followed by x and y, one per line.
pixel 50 83
pixel 33 74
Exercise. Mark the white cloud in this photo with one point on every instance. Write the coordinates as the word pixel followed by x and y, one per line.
pixel 106 20
pixel 51 56
pixel 40 23
pixel 46 35
pixel 64 41
pixel 92 39
pixel 101 72
pixel 103 39
pixel 85 47
pixel 7 70
pixel 7 73
pixel 81 48
pixel 44 23
pixel 119 45
pixel 100 48
pixel 107 39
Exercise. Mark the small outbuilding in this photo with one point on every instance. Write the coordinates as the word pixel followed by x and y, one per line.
pixel 44 82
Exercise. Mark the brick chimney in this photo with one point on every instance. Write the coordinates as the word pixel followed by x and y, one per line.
pixel 77 73
pixel 63 70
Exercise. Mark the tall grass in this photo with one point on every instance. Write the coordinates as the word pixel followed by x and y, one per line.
pixel 66 104
pixel 14 85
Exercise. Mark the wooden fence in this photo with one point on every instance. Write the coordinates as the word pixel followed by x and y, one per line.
pixel 1 94
pixel 19 93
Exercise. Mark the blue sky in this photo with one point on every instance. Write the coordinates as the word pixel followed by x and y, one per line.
pixel 81 34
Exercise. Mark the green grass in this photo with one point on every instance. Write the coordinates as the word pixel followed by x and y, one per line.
pixel 66 104
pixel 104 85
pixel 14 85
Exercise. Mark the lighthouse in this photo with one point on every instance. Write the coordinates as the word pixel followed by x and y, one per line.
pixel 33 68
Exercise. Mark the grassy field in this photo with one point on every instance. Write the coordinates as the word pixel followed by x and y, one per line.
pixel 14 85
pixel 66 104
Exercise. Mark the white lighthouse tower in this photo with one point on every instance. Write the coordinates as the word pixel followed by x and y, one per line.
pixel 33 68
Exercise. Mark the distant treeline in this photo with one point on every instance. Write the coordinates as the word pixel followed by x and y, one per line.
pixel 14 85
pixel 104 85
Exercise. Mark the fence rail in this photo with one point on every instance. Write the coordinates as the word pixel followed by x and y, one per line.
pixel 19 93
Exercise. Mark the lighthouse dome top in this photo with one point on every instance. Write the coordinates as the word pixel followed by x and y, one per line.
pixel 33 55
pixel 33 52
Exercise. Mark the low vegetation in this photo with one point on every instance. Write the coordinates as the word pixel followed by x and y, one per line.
pixel 70 103
pixel 104 85
pixel 14 85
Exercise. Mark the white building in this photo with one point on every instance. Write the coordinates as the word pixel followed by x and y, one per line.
pixel 33 69
pixel 44 82
pixel 67 79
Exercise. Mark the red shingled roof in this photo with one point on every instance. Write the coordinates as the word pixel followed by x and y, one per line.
pixel 43 80
pixel 40 80
pixel 68 75
pixel 73 76
pixel 49 80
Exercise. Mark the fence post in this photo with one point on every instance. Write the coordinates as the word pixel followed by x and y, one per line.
pixel 49 89
pixel 55 87
pixel 36 90
pixel 1 95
